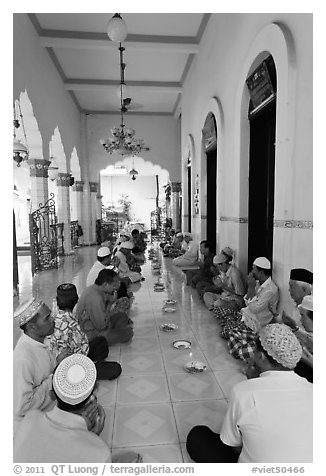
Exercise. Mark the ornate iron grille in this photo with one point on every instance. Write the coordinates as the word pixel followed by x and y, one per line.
pixel 43 233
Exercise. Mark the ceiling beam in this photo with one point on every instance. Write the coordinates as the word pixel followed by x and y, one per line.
pixel 92 41
pixel 109 85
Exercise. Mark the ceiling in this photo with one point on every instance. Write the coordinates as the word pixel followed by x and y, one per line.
pixel 159 50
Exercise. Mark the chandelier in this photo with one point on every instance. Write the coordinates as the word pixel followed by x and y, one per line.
pixel 123 140
pixel 20 150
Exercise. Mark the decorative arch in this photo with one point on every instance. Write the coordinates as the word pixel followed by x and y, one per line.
pixel 188 155
pixel 276 40
pixel 215 108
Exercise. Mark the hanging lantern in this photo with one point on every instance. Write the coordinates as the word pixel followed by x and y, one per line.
pixel 117 29
pixel 20 152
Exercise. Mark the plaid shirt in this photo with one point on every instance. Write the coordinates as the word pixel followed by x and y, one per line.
pixel 67 335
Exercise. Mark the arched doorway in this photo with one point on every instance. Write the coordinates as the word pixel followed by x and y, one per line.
pixel 189 189
pixel 262 117
pixel 210 148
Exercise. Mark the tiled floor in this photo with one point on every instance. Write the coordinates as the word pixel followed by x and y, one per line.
pixel 155 402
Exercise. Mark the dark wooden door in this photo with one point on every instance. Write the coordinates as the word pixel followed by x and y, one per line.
pixel 211 168
pixel 261 184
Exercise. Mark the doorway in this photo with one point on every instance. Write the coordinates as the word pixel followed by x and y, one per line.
pixel 262 168
pixel 189 193
pixel 211 169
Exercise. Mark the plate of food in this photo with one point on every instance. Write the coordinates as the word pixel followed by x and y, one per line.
pixel 168 326
pixel 182 344
pixel 195 366
pixel 170 301
pixel 168 309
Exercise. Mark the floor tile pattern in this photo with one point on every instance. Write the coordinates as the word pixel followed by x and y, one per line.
pixel 152 406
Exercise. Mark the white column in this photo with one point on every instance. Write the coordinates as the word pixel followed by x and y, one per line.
pixel 63 209
pixel 175 205
pixel 39 182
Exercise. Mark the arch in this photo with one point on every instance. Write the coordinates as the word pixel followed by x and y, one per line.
pixel 213 107
pixel 145 170
pixel 74 165
pixel 33 134
pixel 276 40
pixel 189 155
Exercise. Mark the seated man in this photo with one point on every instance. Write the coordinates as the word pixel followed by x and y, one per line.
pixel 96 312
pixel 214 284
pixel 174 249
pixel 204 272
pixel 190 256
pixel 300 285
pixel 270 417
pixel 230 288
pixel 123 255
pixel 68 336
pixel 33 364
pixel 305 337
pixel 69 433
pixel 241 329
pixel 140 245
pixel 104 260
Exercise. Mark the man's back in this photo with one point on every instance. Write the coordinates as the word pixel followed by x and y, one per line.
pixel 93 273
pixel 272 417
pixel 58 437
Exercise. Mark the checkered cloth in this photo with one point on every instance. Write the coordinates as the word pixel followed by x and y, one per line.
pixel 229 321
pixel 135 267
pixel 242 342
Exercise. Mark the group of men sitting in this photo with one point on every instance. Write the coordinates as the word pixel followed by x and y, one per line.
pixel 59 358
pixel 61 354
pixel 276 347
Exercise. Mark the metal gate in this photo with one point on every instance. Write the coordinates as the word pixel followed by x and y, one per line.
pixel 44 239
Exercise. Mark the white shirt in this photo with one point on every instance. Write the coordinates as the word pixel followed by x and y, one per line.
pixel 33 366
pixel 271 417
pixel 58 437
pixel 257 314
pixel 93 273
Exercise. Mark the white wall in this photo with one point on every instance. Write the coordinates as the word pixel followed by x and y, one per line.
pixel 230 45
pixel 34 71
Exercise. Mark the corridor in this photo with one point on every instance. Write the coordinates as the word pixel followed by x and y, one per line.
pixel 152 406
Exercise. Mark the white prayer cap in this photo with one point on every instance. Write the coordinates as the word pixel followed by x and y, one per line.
pixel 179 234
pixel 27 310
pixel 125 233
pixel 129 245
pixel 74 379
pixel 186 233
pixel 307 303
pixel 220 258
pixel 262 263
pixel 103 251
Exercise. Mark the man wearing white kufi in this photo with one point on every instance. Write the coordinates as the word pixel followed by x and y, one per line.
pixel 270 415
pixel 261 302
pixel 190 257
pixel 69 432
pixel 33 364
pixel 122 254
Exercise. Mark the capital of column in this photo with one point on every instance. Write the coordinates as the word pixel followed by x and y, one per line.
pixel 38 167
pixel 176 186
pixel 63 180
pixel 93 187
pixel 78 186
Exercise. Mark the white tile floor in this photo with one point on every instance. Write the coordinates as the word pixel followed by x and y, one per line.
pixel 152 406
